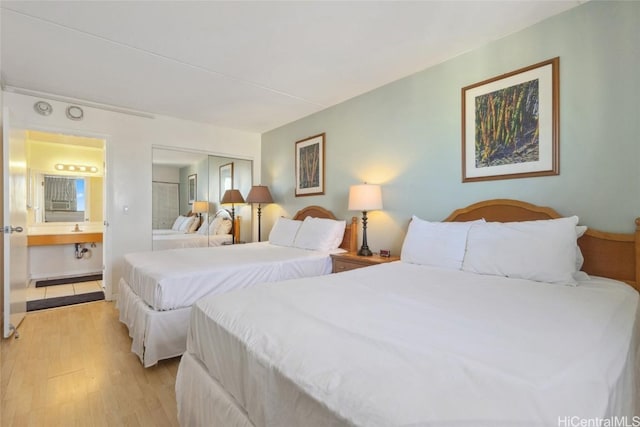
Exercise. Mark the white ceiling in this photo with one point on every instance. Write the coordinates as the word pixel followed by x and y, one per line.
pixel 246 65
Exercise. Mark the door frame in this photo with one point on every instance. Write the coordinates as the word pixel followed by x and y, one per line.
pixel 107 259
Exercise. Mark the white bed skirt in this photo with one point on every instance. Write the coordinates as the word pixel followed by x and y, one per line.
pixel 202 401
pixel 156 335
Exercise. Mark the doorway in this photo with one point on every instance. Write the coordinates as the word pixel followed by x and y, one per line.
pixel 65 219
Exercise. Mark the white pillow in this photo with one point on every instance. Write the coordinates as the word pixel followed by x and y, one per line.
pixel 284 231
pixel 194 225
pixel 224 227
pixel 580 230
pixel 204 229
pixel 441 244
pixel 320 234
pixel 186 224
pixel 544 251
pixel 223 213
pixel 215 224
pixel 178 222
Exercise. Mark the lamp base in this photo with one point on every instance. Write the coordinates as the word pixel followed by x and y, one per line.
pixel 365 252
pixel 364 249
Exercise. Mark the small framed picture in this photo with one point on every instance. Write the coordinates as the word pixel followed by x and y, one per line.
pixel 192 187
pixel 226 178
pixel 310 166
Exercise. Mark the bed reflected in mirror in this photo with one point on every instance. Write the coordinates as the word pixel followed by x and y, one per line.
pixel 186 209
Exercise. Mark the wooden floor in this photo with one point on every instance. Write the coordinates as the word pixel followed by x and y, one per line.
pixel 73 366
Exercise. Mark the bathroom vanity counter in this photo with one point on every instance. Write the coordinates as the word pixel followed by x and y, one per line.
pixel 63 239
pixel 63 235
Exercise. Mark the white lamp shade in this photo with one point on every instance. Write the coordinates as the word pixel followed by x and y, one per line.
pixel 365 197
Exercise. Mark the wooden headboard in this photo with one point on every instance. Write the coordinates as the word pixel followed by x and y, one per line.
pixel 236 228
pixel 613 255
pixel 350 240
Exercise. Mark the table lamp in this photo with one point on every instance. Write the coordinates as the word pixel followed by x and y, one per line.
pixel 365 197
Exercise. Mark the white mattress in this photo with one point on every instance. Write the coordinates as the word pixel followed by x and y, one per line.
pixel 176 278
pixel 400 344
pixel 166 241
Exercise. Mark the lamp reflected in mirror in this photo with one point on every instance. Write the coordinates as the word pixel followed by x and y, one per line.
pixel 199 207
pixel 232 197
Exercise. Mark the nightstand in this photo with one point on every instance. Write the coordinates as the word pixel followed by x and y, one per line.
pixel 351 261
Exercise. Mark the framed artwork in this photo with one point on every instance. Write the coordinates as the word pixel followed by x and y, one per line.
pixel 226 178
pixel 192 187
pixel 510 124
pixel 310 166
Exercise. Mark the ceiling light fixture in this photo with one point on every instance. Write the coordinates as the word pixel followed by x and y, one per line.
pixel 42 107
pixel 74 112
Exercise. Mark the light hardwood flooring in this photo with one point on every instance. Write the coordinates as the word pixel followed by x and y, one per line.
pixel 72 366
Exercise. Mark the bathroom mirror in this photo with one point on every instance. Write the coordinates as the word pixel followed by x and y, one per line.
pixel 65 179
pixel 65 197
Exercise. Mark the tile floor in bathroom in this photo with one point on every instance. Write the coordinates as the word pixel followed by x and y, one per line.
pixel 54 291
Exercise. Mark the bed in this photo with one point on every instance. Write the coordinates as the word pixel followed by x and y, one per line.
pixel 200 237
pixel 413 344
pixel 158 288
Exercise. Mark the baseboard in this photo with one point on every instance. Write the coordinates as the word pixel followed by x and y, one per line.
pixel 42 304
pixel 67 280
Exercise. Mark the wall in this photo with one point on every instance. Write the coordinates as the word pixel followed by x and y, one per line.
pixel 96 204
pixel 129 139
pixel 42 156
pixel 406 135
pixel 50 262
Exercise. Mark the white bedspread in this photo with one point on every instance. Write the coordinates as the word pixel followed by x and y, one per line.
pixel 176 278
pixel 407 345
pixel 165 232
pixel 166 241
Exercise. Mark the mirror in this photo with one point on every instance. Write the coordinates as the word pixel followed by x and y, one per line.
pixel 188 183
pixel 65 198
pixel 226 173
pixel 65 179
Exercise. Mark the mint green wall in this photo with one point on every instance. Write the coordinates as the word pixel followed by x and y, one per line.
pixel 406 135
